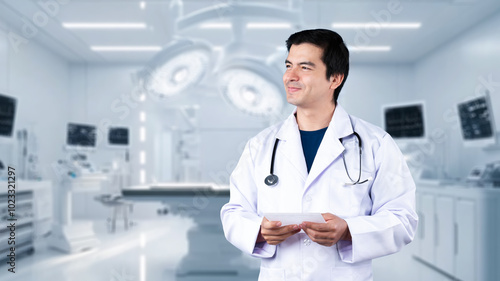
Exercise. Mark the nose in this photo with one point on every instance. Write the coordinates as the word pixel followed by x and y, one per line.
pixel 290 76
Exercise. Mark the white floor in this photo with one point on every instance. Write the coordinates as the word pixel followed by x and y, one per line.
pixel 151 251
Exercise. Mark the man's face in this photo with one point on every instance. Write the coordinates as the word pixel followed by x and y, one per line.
pixel 305 77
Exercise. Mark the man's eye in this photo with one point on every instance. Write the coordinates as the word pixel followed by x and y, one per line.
pixel 305 68
pixel 288 66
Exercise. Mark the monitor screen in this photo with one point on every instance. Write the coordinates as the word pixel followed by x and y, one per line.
pixel 81 135
pixel 118 136
pixel 7 115
pixel 405 121
pixel 476 121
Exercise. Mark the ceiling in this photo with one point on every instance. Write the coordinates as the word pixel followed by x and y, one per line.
pixel 441 20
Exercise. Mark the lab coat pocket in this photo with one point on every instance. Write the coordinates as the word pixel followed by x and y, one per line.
pixel 271 274
pixel 350 200
pixel 340 195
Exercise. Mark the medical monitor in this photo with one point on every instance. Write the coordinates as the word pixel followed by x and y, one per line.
pixel 81 136
pixel 405 121
pixel 476 121
pixel 118 137
pixel 7 115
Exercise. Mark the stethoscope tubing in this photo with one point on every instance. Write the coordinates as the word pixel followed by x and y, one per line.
pixel 345 165
pixel 273 179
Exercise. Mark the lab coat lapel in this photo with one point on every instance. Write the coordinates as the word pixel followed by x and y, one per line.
pixel 290 146
pixel 330 148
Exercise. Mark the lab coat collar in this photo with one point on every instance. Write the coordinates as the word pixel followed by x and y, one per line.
pixel 331 148
pixel 341 122
pixel 340 126
pixel 286 132
pixel 291 145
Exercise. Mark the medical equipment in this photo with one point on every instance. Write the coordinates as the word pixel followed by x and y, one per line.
pixel 7 115
pixel 477 122
pixel 236 67
pixel 202 202
pixel 180 65
pixel 405 121
pixel 118 137
pixel 273 179
pixel 487 175
pixel 248 86
pixel 67 235
pixel 22 150
pixel 81 137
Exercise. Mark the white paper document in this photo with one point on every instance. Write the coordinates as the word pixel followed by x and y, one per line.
pixel 294 218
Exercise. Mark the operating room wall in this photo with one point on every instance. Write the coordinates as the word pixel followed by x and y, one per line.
pixel 370 86
pixel 38 78
pixel 464 67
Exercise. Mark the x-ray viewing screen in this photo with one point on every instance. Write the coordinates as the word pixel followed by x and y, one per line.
pixel 476 119
pixel 118 136
pixel 81 135
pixel 7 115
pixel 405 121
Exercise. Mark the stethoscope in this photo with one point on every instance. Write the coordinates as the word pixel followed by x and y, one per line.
pixel 273 179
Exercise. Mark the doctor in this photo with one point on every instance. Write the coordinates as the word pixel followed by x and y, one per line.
pixel 367 200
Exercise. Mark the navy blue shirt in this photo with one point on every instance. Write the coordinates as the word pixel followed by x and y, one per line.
pixel 310 144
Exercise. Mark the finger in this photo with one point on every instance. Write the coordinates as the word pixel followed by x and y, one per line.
pixel 328 241
pixel 329 216
pixel 322 235
pixel 276 239
pixel 280 233
pixel 277 231
pixel 316 226
pixel 270 224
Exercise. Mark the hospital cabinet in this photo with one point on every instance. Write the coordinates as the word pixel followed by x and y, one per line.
pixel 32 207
pixel 458 230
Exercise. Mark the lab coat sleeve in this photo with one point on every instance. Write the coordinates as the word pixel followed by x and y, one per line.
pixel 393 220
pixel 240 220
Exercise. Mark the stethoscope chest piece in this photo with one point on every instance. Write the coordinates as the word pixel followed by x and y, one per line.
pixel 271 180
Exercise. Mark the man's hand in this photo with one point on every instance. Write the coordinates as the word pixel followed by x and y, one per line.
pixel 273 233
pixel 329 233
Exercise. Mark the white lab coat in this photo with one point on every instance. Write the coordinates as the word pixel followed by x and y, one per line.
pixel 380 213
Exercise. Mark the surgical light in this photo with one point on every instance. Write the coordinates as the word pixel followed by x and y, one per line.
pixel 249 94
pixel 180 75
pixel 179 66
pixel 248 88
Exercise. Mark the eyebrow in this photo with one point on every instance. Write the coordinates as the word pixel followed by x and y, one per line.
pixel 303 63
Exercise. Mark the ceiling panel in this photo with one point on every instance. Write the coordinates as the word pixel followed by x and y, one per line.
pixel 441 22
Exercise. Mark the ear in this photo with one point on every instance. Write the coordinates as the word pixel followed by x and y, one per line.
pixel 336 80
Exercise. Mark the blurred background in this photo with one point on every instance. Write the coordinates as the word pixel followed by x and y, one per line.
pixel 121 122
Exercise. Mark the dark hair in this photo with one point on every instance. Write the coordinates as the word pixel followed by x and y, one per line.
pixel 335 52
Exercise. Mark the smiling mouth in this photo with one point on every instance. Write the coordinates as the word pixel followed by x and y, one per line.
pixel 293 89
